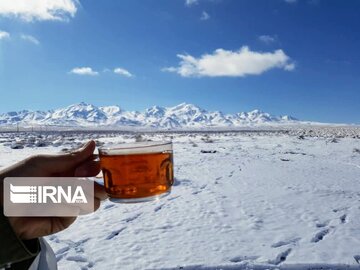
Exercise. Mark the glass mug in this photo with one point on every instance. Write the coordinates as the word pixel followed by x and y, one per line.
pixel 137 172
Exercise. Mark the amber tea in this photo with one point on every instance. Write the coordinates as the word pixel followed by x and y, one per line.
pixel 137 172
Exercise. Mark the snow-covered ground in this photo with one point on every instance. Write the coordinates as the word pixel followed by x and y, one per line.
pixel 258 200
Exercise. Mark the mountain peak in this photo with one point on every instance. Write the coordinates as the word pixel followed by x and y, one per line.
pixel 156 107
pixel 289 118
pixel 82 104
pixel 256 111
pixel 186 107
pixel 155 111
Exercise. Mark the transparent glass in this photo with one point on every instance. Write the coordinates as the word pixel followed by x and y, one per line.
pixel 137 172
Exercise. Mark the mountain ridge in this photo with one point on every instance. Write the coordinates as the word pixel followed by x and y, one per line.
pixel 183 115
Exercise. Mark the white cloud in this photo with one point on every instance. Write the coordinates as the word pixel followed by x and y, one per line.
pixel 4 35
pixel 29 10
pixel 223 63
pixel 204 16
pixel 84 71
pixel 191 2
pixel 289 67
pixel 267 39
pixel 290 1
pixel 123 72
pixel 30 38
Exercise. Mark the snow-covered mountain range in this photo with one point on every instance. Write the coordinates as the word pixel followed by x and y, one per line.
pixel 181 116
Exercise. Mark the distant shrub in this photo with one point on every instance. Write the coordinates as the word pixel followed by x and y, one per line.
pixel 139 138
pixel 301 137
pixel 208 151
pixel 207 139
pixel 99 143
pixel 193 144
pixel 334 140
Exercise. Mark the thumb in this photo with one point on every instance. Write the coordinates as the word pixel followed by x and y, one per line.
pixel 67 161
pixel 82 154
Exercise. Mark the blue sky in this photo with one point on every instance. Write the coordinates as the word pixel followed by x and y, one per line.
pixel 300 58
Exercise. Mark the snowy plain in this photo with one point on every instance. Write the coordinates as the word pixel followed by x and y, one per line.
pixel 241 200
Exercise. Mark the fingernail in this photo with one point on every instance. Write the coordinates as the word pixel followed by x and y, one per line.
pixel 86 145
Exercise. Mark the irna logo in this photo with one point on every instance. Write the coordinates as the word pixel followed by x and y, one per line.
pixel 46 194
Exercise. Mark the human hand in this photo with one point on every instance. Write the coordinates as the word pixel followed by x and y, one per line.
pixel 80 163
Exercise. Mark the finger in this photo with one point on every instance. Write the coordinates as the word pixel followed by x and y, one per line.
pixel 81 154
pixel 34 227
pixel 99 192
pixel 88 169
pixel 61 223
